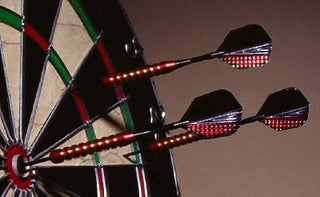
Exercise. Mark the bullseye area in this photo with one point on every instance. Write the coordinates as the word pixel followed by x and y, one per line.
pixel 20 173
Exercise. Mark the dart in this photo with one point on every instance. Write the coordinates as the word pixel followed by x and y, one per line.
pixel 212 115
pixel 285 109
pixel 246 47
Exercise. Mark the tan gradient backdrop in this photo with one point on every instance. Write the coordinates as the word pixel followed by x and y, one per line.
pixel 256 161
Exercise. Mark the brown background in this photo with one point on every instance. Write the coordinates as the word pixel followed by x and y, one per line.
pixel 256 161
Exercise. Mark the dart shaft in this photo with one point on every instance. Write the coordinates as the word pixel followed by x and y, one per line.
pixel 84 149
pixel 250 120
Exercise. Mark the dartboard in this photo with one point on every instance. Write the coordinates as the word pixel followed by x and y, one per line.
pixel 54 57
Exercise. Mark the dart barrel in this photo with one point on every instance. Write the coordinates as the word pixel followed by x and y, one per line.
pixel 174 141
pixel 144 72
pixel 84 149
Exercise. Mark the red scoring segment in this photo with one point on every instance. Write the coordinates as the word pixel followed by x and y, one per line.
pixel 83 149
pixel 282 123
pixel 153 70
pixel 211 130
pixel 246 61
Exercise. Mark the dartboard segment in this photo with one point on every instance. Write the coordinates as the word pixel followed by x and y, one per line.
pixel 10 41
pixel 62 178
pixel 53 130
pixel 34 55
pixel 67 180
pixel 6 112
pixel 4 184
